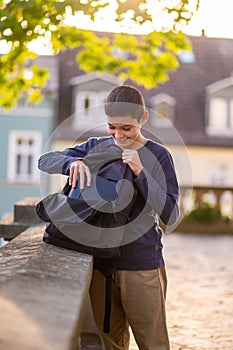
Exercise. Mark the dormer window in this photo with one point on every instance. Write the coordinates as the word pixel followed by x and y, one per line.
pixel 89 108
pixel 164 107
pixel 231 113
pixel 218 113
pixel 89 92
pixel 87 104
pixel 220 119
pixel 220 108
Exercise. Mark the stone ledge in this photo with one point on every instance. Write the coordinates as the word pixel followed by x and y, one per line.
pixel 10 229
pixel 25 210
pixel 43 292
pixel 24 216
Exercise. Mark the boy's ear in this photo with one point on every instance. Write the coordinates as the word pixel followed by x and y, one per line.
pixel 144 117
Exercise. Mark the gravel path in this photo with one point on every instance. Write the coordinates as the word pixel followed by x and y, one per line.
pixel 200 291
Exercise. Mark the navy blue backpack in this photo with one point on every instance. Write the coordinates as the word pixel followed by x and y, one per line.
pixel 80 219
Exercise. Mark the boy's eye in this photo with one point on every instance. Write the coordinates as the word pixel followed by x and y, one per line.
pixel 126 128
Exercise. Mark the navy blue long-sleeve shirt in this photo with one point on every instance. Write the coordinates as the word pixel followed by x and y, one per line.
pixel 157 196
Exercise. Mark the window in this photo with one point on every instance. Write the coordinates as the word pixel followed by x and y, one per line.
pixel 220 119
pixel 24 149
pixel 218 113
pixel 89 108
pixel 164 107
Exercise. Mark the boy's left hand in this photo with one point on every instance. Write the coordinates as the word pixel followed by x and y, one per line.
pixel 131 157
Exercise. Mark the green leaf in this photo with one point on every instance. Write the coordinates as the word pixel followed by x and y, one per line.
pixel 147 59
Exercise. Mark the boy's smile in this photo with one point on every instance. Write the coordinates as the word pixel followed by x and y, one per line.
pixel 126 131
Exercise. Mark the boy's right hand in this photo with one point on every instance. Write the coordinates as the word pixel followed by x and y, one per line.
pixel 78 168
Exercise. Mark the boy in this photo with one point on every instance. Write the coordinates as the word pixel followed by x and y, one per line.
pixel 139 282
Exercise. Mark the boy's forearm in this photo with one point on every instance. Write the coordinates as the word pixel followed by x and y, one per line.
pixel 58 162
pixel 55 163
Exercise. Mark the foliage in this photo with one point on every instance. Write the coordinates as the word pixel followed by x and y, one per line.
pixel 144 59
pixel 206 214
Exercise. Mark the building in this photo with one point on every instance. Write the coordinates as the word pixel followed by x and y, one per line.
pixel 192 113
pixel 25 130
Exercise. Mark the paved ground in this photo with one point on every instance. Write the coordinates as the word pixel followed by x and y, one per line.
pixel 200 291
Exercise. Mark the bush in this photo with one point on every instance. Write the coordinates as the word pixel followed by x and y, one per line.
pixel 206 214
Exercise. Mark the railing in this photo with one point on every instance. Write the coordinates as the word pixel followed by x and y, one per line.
pixel 199 193
pixel 44 301
pixel 221 198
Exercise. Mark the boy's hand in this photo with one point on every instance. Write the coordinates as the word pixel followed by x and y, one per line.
pixel 78 168
pixel 131 157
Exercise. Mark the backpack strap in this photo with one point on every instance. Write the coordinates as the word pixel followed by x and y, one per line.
pixel 107 269
pixel 108 303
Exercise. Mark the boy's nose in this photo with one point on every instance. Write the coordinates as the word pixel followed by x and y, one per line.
pixel 118 134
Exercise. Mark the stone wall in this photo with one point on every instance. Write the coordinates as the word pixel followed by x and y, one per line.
pixel 44 299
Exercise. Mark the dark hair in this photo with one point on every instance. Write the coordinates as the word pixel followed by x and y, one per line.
pixel 125 100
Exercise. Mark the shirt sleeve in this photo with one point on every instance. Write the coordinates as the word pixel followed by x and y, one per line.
pixel 58 162
pixel 160 189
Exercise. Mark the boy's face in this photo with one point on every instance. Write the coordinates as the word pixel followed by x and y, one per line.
pixel 125 130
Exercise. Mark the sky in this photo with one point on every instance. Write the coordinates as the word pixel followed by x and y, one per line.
pixel 215 17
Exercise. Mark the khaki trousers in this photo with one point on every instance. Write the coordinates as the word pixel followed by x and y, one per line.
pixel 137 300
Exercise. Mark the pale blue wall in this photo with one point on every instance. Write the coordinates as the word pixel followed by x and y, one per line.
pixel 40 118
